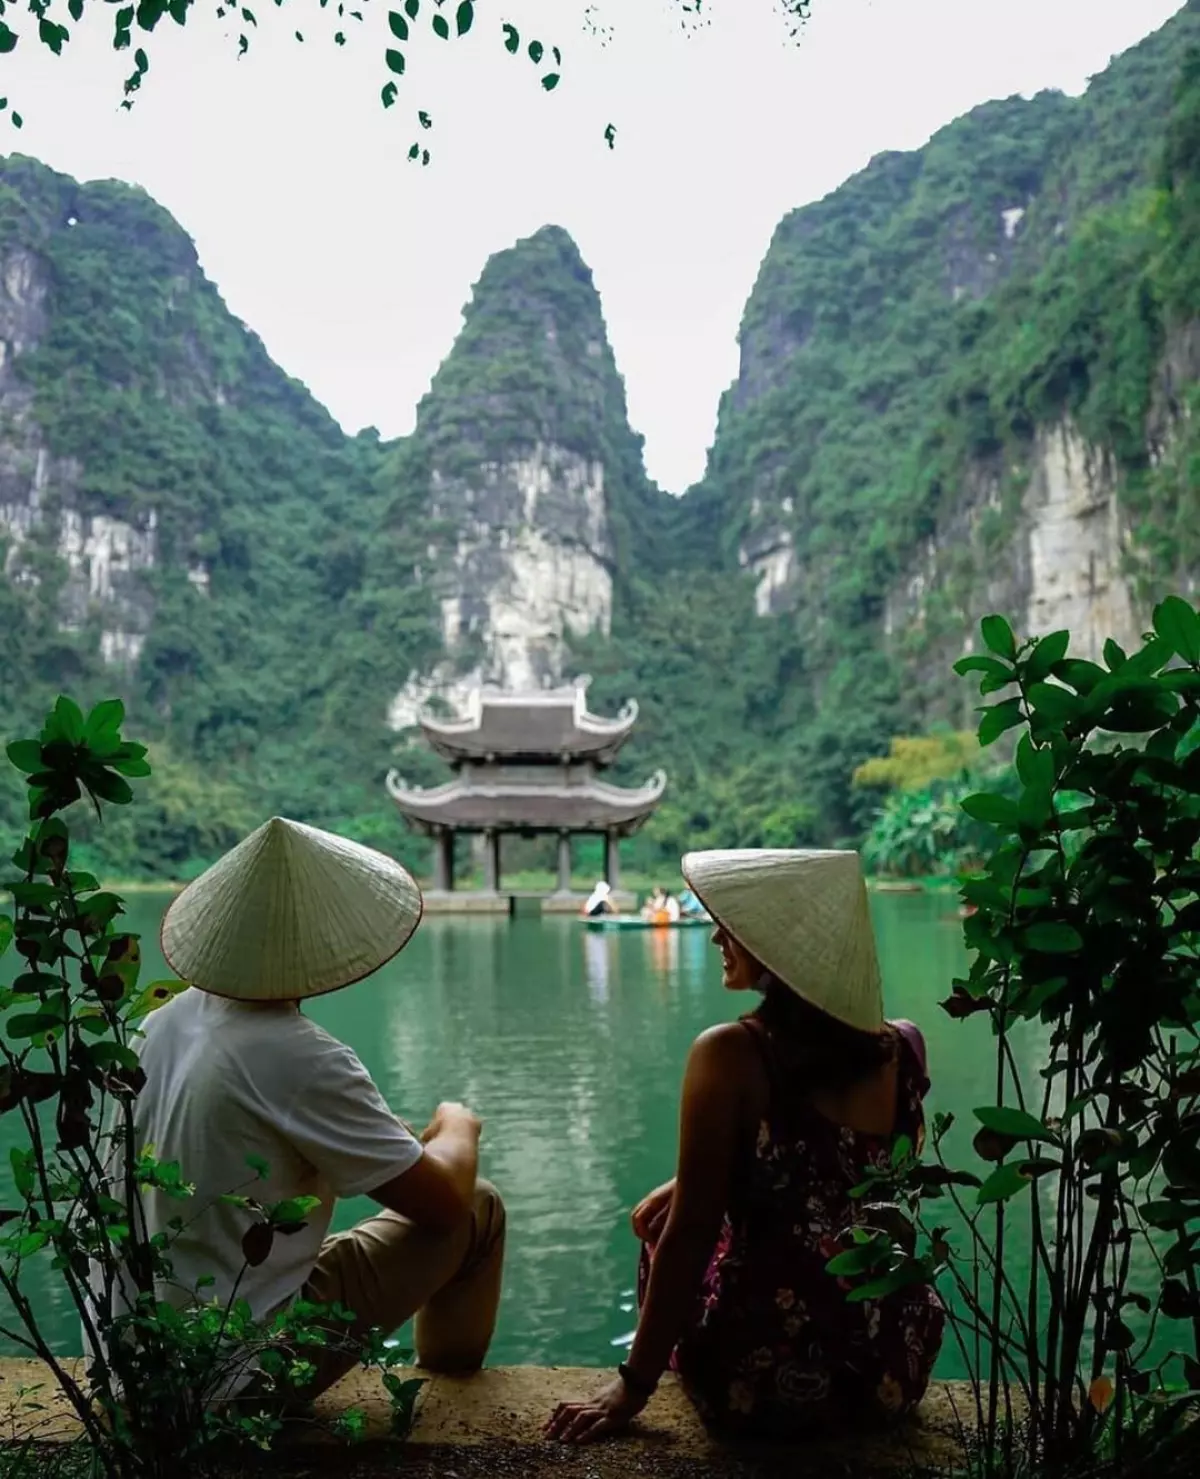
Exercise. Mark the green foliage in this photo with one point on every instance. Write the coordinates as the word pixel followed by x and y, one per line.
pixel 69 1070
pixel 408 26
pixel 925 832
pixel 903 347
pixel 909 340
pixel 532 369
pixel 914 761
pixel 1085 939
pixel 182 427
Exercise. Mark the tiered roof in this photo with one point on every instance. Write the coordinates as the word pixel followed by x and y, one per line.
pixel 553 724
pixel 526 762
pixel 591 806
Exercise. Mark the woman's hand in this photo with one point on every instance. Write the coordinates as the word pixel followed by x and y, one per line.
pixel 611 1411
pixel 651 1213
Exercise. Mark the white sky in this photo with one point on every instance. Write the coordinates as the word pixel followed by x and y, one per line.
pixel 354 265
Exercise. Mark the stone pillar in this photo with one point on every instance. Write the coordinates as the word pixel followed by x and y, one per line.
pixel 564 862
pixel 612 860
pixel 491 862
pixel 443 860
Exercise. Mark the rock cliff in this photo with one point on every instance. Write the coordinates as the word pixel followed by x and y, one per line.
pixel 102 559
pixel 958 374
pixel 969 380
pixel 533 476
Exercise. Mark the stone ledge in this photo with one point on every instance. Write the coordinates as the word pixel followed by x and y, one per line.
pixel 491 1422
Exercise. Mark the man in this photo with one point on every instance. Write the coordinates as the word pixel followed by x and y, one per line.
pixel 237 1077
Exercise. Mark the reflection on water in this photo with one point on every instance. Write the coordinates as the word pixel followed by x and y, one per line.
pixel 571 1043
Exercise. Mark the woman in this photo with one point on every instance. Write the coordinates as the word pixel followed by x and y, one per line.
pixel 655 907
pixel 783 1113
pixel 599 902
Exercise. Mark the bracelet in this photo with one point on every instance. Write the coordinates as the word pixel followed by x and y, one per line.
pixel 636 1384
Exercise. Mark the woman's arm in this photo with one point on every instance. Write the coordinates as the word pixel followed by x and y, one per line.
pixel 708 1137
pixel 711 1116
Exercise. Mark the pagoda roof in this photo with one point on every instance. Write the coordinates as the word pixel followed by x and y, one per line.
pixel 520 806
pixel 543 724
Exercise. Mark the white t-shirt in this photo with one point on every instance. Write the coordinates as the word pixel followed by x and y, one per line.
pixel 227 1080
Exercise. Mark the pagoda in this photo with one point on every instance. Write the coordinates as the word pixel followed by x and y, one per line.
pixel 527 763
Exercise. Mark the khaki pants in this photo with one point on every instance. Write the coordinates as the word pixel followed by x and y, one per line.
pixel 388 1271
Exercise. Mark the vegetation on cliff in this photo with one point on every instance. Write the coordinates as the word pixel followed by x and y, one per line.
pixel 908 338
pixel 169 408
pixel 913 332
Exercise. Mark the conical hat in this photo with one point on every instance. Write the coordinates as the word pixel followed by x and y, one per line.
pixel 290 912
pixel 805 917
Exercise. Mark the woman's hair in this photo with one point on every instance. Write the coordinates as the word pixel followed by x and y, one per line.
pixel 828 1053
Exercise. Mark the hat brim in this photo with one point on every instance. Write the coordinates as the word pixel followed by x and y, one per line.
pixel 358 973
pixel 779 975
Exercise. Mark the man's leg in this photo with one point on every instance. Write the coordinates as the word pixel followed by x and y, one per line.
pixel 387 1270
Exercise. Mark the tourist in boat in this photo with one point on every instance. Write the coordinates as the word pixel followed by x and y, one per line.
pixel 783 1113
pixel 236 1074
pixel 690 906
pixel 599 902
pixel 655 907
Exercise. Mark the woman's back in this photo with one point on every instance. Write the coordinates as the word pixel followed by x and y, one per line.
pixel 775 1345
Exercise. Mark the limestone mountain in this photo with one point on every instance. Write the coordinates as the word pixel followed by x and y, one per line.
pixel 180 522
pixel 940 331
pixel 967 383
pixel 183 524
pixel 535 483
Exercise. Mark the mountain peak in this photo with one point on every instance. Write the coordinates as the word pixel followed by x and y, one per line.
pixel 532 364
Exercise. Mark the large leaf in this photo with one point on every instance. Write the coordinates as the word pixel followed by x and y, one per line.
pixel 912 1271
pixel 1035 765
pixel 26 755
pixel 105 719
pixel 294 1210
pixel 1053 937
pixel 1056 704
pixel 156 995
pixel 6 932
pixel 1012 1122
pixel 1170 1214
pixel 999 718
pixel 108 786
pixel 1004 1182
pixel 257 1242
pixel 1049 651
pixel 986 807
pixel 1177 623
pixel 998 636
pixel 977 663
pixel 67 720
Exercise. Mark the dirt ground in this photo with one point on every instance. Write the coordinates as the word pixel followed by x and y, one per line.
pixel 613 1460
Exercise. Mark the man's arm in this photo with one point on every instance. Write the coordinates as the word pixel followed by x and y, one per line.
pixel 439 1190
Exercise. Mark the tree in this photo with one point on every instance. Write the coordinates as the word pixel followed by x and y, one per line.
pixel 50 23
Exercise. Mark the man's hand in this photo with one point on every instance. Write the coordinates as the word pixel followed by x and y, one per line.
pixel 610 1411
pixel 452 1117
pixel 651 1213
pixel 439 1191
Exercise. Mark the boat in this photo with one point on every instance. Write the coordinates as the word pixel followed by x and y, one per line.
pixel 636 922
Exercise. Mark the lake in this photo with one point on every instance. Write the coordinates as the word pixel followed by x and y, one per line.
pixel 571 1045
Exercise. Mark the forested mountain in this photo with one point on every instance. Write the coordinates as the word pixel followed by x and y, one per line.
pixel 968 382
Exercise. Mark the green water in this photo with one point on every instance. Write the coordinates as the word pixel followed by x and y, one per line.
pixel 571 1044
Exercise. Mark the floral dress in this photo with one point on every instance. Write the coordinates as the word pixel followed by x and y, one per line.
pixel 774 1348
